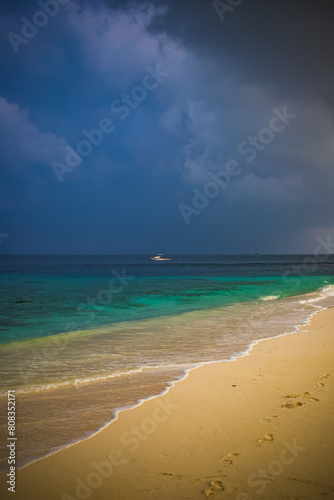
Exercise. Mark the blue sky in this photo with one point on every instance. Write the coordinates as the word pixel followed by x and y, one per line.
pixel 180 89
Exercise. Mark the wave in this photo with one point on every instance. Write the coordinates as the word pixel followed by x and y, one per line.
pixel 171 383
pixel 57 380
pixel 73 383
pixel 323 293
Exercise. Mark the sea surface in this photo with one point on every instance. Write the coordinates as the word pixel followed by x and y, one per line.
pixel 84 336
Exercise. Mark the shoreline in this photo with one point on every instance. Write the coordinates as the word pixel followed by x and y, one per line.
pixel 169 385
pixel 92 441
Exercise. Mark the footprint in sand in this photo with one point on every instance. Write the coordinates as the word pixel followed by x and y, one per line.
pixel 215 488
pixel 321 377
pixel 303 395
pixel 311 398
pixel 180 476
pixel 267 438
pixel 292 405
pixel 228 460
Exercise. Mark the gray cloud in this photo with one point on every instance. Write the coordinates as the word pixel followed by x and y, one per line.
pixel 23 144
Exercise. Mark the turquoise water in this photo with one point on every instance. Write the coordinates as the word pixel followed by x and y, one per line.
pixel 49 295
pixel 83 336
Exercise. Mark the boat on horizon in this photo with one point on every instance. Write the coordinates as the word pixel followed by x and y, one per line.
pixel 160 257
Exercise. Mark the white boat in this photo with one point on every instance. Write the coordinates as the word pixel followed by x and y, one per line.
pixel 160 257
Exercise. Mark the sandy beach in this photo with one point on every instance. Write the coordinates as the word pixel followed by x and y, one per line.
pixel 166 250
pixel 258 427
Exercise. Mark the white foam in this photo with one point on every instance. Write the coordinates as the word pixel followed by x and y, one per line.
pixel 72 383
pixel 270 297
pixel 170 384
pixel 325 292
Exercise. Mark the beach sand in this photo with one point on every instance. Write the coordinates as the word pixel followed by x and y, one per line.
pixel 260 427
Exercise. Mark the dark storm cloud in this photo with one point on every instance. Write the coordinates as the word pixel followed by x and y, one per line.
pixel 224 81
pixel 281 43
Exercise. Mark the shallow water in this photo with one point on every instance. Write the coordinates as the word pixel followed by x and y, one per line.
pixel 130 352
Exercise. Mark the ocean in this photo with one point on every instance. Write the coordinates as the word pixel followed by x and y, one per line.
pixel 82 337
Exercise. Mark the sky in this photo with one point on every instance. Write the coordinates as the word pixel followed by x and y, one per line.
pixel 176 126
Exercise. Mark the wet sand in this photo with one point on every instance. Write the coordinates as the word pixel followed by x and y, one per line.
pixel 259 427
